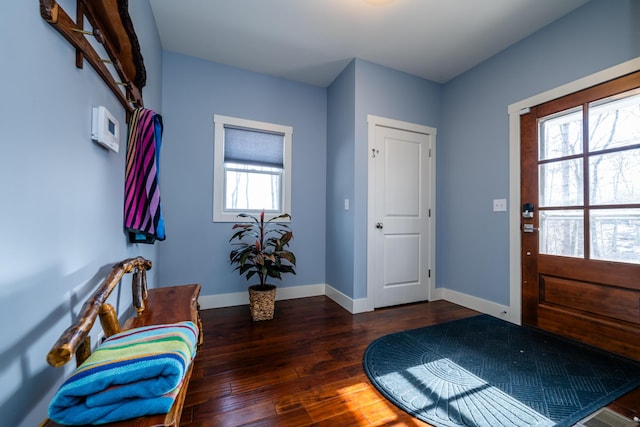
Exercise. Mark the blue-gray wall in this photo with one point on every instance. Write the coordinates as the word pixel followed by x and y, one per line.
pixel 473 141
pixel 197 249
pixel 61 197
pixel 62 194
pixel 340 245
pixel 383 92
pixel 363 89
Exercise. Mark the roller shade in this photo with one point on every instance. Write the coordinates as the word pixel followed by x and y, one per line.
pixel 253 147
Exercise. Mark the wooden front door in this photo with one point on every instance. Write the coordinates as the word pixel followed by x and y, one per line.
pixel 580 197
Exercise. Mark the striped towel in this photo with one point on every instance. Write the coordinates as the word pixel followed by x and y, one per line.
pixel 134 373
pixel 143 219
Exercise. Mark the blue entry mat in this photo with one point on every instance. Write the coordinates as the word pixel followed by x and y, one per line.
pixel 482 371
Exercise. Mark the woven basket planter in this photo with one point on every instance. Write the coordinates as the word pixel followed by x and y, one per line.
pixel 262 302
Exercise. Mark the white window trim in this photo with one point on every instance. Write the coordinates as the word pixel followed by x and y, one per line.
pixel 219 215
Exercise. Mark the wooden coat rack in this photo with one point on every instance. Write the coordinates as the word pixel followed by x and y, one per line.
pixel 111 27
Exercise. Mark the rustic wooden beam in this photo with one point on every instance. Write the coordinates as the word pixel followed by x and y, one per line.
pixel 109 320
pixel 119 46
pixel 63 350
pixel 138 291
pixel 80 25
pixel 84 351
pixel 49 11
pixel 74 34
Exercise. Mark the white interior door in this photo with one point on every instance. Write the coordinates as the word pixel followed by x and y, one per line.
pixel 400 238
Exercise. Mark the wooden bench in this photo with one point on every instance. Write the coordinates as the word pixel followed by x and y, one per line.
pixel 153 307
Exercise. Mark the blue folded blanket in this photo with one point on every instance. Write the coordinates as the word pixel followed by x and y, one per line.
pixel 134 373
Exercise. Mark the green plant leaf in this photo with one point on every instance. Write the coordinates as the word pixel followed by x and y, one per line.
pixel 259 247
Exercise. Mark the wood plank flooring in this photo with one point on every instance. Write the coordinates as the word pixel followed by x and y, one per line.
pixel 303 368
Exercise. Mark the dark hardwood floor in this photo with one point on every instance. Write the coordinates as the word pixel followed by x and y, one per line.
pixel 304 367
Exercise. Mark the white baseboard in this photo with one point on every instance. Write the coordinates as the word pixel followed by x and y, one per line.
pixel 361 305
pixel 483 306
pixel 352 306
pixel 355 306
pixel 242 298
pixel 437 294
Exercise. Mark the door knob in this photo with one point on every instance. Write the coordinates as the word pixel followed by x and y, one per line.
pixel 379 225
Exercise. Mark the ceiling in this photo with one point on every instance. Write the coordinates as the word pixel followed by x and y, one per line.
pixel 311 41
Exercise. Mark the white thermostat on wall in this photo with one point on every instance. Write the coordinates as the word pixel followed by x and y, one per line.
pixel 105 129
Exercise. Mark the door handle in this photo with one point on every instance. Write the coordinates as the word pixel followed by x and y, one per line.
pixel 379 225
pixel 527 210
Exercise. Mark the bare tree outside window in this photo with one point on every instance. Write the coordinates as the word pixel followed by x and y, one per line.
pixel 608 221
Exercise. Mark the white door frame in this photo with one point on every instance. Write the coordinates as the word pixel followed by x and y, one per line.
pixel 514 110
pixel 372 122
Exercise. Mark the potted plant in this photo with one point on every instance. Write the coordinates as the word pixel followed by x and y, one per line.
pixel 260 249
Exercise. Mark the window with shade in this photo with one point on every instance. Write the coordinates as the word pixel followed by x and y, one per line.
pixel 252 164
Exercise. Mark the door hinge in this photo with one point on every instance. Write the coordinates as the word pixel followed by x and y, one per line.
pixel 374 152
pixel 429 273
pixel 429 212
pixel 429 152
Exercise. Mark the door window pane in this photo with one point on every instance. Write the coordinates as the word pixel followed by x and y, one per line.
pixel 561 183
pixel 614 122
pixel 560 135
pixel 562 233
pixel 615 235
pixel 615 177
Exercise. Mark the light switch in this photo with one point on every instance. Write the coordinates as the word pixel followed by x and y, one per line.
pixel 499 205
pixel 346 204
